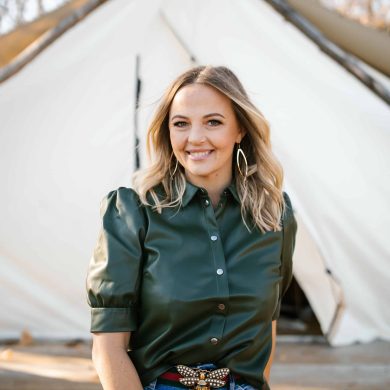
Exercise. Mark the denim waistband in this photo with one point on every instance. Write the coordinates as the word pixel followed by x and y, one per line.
pixel 206 366
pixel 232 382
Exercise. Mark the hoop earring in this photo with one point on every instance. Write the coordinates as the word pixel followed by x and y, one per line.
pixel 240 151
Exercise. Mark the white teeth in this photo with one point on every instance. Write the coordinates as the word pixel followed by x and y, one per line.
pixel 199 154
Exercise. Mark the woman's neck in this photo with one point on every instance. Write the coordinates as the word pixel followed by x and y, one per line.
pixel 213 185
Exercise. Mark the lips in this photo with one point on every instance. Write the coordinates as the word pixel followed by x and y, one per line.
pixel 199 155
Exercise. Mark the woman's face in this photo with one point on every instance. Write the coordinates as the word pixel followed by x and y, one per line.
pixel 203 130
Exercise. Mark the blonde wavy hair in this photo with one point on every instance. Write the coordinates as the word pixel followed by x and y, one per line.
pixel 260 191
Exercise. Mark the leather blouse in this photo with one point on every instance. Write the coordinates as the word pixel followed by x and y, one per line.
pixel 191 284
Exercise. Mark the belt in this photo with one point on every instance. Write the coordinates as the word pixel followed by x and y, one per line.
pixel 196 378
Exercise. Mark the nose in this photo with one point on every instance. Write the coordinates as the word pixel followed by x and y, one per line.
pixel 197 134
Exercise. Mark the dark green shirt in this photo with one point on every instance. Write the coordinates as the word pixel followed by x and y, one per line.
pixel 192 284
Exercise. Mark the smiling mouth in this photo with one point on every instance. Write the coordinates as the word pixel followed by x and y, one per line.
pixel 199 155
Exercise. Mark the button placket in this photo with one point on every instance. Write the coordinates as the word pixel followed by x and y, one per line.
pixel 218 256
pixel 221 204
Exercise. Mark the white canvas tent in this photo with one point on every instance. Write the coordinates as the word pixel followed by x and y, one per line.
pixel 67 138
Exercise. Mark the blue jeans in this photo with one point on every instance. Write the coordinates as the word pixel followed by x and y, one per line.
pixel 231 385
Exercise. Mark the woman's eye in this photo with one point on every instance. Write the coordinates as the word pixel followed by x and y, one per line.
pixel 214 122
pixel 179 124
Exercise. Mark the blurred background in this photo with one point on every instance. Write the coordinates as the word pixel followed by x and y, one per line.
pixel 79 81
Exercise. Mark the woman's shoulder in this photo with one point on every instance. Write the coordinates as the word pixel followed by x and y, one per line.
pixel 125 194
pixel 289 221
pixel 130 197
pixel 121 199
pixel 287 200
pixel 288 213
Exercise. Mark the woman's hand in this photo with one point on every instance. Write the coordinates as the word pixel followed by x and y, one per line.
pixel 112 363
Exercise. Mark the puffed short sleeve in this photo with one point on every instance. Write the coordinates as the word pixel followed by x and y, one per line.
pixel 288 244
pixel 114 270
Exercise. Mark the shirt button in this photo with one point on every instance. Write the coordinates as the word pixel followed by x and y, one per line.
pixel 206 202
pixel 214 340
pixel 219 271
pixel 221 306
pixel 214 238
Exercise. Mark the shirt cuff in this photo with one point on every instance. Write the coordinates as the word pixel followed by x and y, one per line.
pixel 113 319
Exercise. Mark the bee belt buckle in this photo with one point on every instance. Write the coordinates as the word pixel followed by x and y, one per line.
pixel 199 379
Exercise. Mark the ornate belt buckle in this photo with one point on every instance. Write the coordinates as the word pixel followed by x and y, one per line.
pixel 200 379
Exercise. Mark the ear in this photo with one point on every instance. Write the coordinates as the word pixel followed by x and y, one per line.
pixel 240 135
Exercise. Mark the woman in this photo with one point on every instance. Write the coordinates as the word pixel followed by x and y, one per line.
pixel 192 262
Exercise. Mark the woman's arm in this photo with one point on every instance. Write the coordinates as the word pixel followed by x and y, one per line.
pixel 267 370
pixel 114 367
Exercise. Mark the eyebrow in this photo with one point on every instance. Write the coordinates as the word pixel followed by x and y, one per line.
pixel 206 116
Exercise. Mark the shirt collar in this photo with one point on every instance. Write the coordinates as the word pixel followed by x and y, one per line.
pixel 192 189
